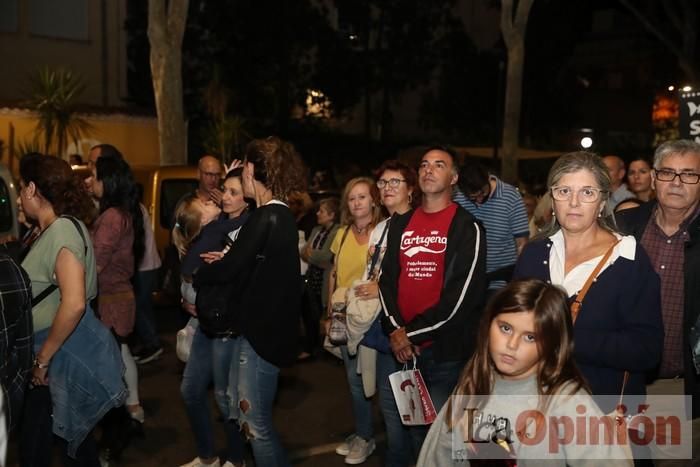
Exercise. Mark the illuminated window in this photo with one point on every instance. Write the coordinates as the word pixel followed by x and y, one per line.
pixel 317 104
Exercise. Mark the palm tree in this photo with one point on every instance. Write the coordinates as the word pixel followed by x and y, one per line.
pixel 225 137
pixel 53 96
pixel 225 134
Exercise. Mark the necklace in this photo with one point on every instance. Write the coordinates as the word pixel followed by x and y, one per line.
pixel 360 230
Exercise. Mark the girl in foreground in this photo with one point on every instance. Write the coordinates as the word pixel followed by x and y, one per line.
pixel 523 361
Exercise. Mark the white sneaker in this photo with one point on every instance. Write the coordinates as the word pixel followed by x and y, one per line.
pixel 343 448
pixel 197 462
pixel 360 450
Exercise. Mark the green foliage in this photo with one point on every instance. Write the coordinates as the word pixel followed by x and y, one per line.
pixel 25 147
pixel 53 95
pixel 226 137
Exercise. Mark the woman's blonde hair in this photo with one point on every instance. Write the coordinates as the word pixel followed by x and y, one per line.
pixel 346 217
pixel 188 223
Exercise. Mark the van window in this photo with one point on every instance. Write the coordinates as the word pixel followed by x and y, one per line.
pixel 171 191
pixel 6 220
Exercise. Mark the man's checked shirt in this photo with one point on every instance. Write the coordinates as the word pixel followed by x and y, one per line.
pixel 15 334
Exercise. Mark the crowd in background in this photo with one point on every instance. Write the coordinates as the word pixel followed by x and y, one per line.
pixel 586 291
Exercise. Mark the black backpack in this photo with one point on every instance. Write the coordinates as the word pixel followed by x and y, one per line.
pixel 214 309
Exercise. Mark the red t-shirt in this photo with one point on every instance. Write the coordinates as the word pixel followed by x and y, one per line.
pixel 422 260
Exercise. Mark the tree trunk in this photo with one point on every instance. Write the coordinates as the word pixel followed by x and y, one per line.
pixel 511 113
pixel 165 33
pixel 513 29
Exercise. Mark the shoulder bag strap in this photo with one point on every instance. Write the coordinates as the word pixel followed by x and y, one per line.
pixel 49 290
pixel 578 301
pixel 377 248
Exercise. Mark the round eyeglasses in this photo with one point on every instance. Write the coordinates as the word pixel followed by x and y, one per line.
pixel 587 194
pixel 392 182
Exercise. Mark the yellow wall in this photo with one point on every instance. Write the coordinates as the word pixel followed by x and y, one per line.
pixel 135 137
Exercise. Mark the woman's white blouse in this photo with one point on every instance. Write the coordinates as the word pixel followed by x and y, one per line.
pixel 574 280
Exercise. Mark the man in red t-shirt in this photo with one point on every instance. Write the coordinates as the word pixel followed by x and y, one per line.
pixel 434 279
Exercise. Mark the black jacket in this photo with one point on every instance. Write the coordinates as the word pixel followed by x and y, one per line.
pixel 263 269
pixel 633 222
pixel 453 322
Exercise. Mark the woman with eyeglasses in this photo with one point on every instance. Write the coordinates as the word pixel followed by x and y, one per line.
pixel 399 194
pixel 618 329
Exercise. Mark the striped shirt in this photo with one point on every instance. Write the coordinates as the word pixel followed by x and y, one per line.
pixel 504 217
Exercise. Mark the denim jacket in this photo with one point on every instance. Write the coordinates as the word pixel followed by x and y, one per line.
pixel 85 379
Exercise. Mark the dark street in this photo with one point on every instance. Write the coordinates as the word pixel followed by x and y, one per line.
pixel 312 411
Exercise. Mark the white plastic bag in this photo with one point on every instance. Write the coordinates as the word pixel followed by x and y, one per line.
pixel 184 340
pixel 412 397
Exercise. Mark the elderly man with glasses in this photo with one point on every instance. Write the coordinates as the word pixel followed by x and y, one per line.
pixel 669 230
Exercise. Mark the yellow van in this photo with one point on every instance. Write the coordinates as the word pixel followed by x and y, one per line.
pixel 162 189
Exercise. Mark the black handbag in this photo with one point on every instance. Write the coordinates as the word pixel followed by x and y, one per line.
pixel 213 302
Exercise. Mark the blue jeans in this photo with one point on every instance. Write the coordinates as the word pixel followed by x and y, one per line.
pixel 441 379
pixel 255 391
pixel 211 358
pixel 144 325
pixel 399 451
pixel 361 406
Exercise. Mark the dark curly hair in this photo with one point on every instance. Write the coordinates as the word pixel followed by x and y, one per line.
pixel 278 166
pixel 121 192
pixel 59 185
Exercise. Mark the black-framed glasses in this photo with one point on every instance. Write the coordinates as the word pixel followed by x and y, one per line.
pixel 392 182
pixel 587 194
pixel 668 175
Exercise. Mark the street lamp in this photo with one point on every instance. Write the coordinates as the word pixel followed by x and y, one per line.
pixel 586 142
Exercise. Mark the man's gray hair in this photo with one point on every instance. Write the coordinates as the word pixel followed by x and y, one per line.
pixel 675 146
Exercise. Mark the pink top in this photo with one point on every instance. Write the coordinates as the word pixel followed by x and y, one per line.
pixel 113 238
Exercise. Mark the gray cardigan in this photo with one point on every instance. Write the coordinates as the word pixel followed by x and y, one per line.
pixel 323 257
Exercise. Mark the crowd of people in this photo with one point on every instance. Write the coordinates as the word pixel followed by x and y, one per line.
pixel 588 292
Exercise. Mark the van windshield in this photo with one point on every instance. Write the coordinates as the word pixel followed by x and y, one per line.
pixel 6 220
pixel 171 192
